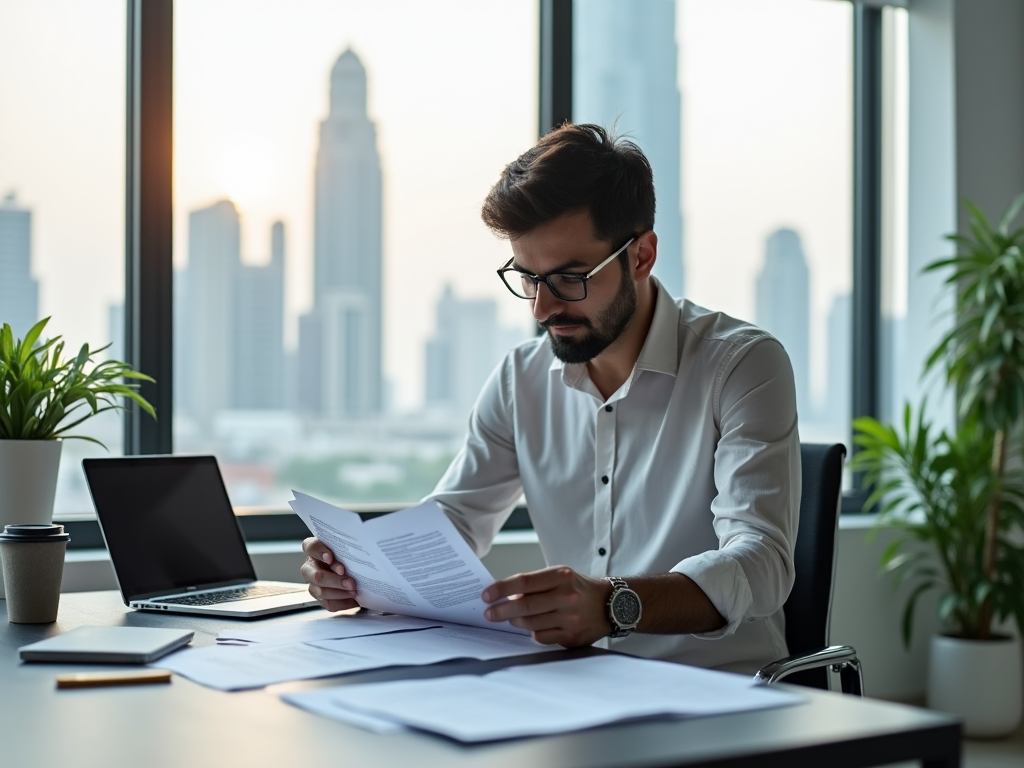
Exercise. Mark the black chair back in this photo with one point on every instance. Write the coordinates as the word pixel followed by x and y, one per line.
pixel 807 608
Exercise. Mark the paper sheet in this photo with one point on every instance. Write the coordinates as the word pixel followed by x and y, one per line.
pixel 412 562
pixel 545 698
pixel 230 668
pixel 434 645
pixel 324 628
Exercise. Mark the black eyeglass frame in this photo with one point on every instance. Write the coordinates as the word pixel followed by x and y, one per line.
pixel 546 279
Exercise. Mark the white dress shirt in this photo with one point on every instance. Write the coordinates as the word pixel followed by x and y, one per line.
pixel 692 466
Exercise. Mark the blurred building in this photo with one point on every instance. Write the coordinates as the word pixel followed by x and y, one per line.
pixel 634 87
pixel 340 340
pixel 19 291
pixel 468 343
pixel 783 306
pixel 258 375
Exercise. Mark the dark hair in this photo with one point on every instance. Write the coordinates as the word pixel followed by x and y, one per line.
pixel 575 168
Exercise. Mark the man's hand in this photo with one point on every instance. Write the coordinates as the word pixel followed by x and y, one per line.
pixel 326 577
pixel 556 604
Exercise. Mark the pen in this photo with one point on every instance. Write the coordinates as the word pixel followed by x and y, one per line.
pixel 130 677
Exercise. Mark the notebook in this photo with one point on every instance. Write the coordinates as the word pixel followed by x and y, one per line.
pixel 174 542
pixel 112 645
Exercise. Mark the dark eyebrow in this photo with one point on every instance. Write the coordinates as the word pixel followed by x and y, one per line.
pixel 573 264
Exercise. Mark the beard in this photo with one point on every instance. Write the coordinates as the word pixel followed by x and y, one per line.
pixel 611 322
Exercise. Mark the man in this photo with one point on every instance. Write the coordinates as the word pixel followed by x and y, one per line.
pixel 655 441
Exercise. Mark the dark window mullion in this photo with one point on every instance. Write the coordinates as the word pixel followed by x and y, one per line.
pixel 867 216
pixel 555 90
pixel 148 219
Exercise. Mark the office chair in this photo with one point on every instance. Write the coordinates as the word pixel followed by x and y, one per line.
pixel 808 606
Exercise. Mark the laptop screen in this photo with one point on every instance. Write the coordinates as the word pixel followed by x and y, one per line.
pixel 167 522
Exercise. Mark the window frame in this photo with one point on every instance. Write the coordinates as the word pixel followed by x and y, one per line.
pixel 149 231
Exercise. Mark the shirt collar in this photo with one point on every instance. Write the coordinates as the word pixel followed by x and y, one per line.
pixel 660 352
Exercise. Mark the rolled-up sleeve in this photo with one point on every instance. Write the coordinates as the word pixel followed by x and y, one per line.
pixel 482 484
pixel 757 475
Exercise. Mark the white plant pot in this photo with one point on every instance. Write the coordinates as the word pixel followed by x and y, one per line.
pixel 28 482
pixel 979 681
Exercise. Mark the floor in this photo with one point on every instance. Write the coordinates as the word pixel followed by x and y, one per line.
pixel 1001 753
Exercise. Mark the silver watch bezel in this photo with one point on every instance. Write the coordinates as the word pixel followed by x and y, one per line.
pixel 619 587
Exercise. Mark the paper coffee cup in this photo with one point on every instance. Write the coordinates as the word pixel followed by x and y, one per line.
pixel 32 557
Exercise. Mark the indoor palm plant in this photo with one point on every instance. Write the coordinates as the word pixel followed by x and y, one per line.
pixel 43 396
pixel 960 492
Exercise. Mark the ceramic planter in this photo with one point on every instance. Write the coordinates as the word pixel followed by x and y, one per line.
pixel 28 482
pixel 978 680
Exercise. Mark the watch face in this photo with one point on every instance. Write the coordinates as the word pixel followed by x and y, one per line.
pixel 626 608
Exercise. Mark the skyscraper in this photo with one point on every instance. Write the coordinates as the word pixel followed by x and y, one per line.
pixel 19 292
pixel 258 371
pixel 838 393
pixel 214 260
pixel 467 344
pixel 625 73
pixel 346 360
pixel 783 306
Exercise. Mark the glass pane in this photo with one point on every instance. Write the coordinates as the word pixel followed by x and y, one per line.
pixel 62 117
pixel 336 306
pixel 744 109
pixel 898 383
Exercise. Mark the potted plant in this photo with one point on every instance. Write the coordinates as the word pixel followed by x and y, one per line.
pixel 43 396
pixel 955 496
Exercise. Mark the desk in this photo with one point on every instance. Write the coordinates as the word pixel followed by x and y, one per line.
pixel 184 724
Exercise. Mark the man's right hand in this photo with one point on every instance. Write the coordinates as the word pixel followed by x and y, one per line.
pixel 326 577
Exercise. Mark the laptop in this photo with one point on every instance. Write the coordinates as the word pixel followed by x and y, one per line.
pixel 174 542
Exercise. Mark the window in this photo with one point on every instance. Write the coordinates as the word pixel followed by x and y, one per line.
pixel 336 309
pixel 745 111
pixel 62 169
pixel 898 383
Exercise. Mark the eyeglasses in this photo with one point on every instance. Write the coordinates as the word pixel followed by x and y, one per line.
pixel 563 285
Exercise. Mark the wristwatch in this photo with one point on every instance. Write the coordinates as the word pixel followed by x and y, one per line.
pixel 624 609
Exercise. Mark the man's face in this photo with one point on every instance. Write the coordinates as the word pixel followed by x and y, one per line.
pixel 578 330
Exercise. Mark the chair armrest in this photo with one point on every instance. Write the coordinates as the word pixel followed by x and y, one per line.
pixel 841 658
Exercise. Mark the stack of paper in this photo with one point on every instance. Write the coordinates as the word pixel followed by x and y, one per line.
pixel 542 698
pixel 252 658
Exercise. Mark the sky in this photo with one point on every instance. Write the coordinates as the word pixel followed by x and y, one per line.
pixel 766 99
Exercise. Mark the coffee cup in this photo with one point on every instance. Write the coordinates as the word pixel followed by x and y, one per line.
pixel 33 563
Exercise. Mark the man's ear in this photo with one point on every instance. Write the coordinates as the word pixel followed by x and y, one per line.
pixel 646 253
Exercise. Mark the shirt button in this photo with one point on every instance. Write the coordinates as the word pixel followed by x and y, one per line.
pixel 601 552
pixel 608 408
pixel 604 479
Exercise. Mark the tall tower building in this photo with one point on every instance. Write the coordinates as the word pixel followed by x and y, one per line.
pixel 19 292
pixel 838 404
pixel 214 260
pixel 634 86
pixel 783 305
pixel 258 371
pixel 467 344
pixel 348 256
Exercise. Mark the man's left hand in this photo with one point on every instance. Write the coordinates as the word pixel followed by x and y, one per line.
pixel 556 604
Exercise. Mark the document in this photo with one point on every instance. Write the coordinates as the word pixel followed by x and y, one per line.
pixel 231 668
pixel 413 562
pixel 303 653
pixel 542 698
pixel 323 628
pixel 441 644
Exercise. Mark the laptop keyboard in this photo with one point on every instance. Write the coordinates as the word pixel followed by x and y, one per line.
pixel 229 595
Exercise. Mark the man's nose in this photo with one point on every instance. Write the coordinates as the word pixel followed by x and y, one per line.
pixel 545 303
